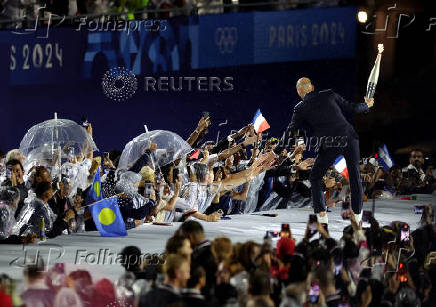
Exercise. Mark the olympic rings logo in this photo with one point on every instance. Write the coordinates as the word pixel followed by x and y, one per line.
pixel 226 39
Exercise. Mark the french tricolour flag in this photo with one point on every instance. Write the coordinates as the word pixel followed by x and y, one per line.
pixel 341 166
pixel 259 122
pixel 383 158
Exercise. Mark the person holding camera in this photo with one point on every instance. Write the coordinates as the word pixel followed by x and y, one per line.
pixel 414 175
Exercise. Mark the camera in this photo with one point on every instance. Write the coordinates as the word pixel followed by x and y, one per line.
pixel 411 174
pixel 405 233
pixel 148 189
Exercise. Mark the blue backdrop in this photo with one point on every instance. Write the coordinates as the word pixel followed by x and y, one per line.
pixel 264 53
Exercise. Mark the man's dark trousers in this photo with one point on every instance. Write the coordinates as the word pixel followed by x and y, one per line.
pixel 325 158
pixel 323 113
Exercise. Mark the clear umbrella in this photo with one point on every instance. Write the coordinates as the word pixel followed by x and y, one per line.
pixel 170 147
pixel 47 156
pixel 48 142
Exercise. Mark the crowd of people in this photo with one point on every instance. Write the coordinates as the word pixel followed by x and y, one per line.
pixel 414 178
pixel 240 174
pixel 377 266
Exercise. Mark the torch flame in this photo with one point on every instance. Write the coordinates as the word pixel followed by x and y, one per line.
pixel 380 48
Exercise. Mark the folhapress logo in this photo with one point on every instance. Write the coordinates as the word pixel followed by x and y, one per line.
pixel 119 84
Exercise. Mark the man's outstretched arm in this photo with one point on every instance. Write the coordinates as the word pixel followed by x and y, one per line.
pixel 354 107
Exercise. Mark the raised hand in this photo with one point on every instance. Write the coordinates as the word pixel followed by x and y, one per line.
pixel 369 101
pixel 203 123
pixel 306 164
pixel 249 140
pixel 380 48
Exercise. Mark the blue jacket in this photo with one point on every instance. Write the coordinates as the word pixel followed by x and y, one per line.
pixel 323 114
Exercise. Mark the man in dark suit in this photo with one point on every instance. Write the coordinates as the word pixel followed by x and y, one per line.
pixel 202 255
pixel 177 270
pixel 323 114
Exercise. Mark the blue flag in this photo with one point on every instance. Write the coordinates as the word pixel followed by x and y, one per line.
pixel 94 193
pixel 108 219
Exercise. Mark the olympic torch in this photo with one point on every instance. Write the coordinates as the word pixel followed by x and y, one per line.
pixel 373 77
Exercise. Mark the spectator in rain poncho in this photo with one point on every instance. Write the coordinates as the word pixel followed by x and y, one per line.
pixel 78 174
pixel 38 174
pixel 133 206
pixel 29 220
pixel 169 206
pixel 16 179
pixel 108 180
pixel 200 193
pixel 9 198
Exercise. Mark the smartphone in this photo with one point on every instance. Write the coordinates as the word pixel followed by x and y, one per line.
pixel 405 233
pixel 314 292
pixel 148 189
pixel 366 217
pixel 300 141
pixel 85 122
pixel 418 209
pixel 338 269
pixel 312 220
pixel 8 172
pixel 106 155
pixel 226 218
pixel 206 114
pixel 158 178
pixel 71 153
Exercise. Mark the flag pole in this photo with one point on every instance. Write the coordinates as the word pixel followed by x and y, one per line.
pixel 59 155
pixel 116 195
